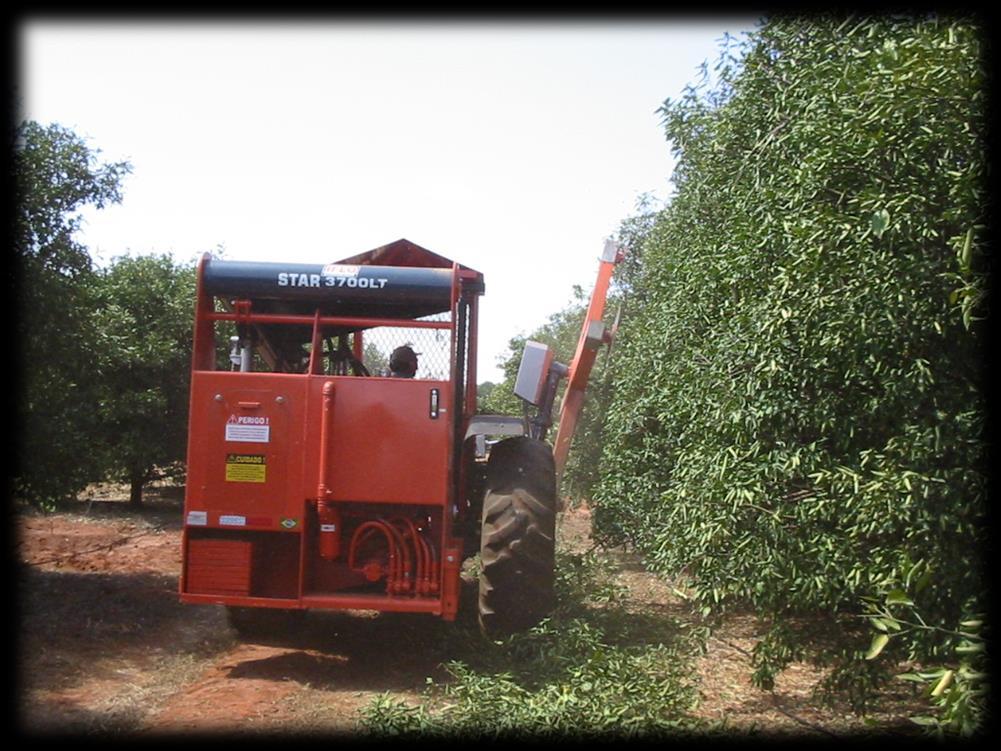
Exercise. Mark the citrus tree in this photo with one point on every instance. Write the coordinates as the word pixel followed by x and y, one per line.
pixel 143 326
pixel 798 410
pixel 54 175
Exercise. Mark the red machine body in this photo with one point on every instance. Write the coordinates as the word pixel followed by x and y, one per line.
pixel 313 483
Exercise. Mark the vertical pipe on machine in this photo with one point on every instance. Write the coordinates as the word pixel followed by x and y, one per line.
pixel 326 510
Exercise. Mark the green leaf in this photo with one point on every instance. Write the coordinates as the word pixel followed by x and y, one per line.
pixel 898 596
pixel 880 221
pixel 968 647
pixel 966 253
pixel 943 683
pixel 878 642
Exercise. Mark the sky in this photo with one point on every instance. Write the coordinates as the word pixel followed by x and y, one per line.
pixel 515 148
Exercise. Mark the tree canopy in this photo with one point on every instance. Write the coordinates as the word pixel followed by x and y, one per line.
pixel 55 174
pixel 143 323
pixel 103 353
pixel 798 410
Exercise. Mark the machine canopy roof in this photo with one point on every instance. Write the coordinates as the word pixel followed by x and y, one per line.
pixel 402 253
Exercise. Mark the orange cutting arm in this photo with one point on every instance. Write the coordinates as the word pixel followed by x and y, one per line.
pixel 593 334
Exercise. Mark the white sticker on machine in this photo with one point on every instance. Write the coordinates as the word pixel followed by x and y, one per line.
pixel 248 429
pixel 339 269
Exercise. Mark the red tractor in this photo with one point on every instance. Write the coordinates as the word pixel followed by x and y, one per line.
pixel 332 466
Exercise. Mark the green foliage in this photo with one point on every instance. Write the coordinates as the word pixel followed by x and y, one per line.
pixel 592 669
pixel 561 332
pixel 798 392
pixel 484 392
pixel 143 328
pixel 54 175
pixel 105 354
pixel 374 358
pixel 957 691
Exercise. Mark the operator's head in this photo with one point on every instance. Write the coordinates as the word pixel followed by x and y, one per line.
pixel 403 362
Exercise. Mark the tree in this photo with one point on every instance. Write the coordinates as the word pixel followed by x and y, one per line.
pixel 561 333
pixel 54 175
pixel 483 392
pixel 374 358
pixel 799 390
pixel 143 323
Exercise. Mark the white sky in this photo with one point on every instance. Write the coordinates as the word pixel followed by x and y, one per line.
pixel 513 148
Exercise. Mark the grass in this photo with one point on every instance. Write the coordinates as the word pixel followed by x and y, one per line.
pixel 595 668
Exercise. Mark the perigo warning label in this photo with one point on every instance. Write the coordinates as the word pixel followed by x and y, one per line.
pixel 246 468
pixel 248 429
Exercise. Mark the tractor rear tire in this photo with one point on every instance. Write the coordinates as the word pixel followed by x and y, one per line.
pixel 518 537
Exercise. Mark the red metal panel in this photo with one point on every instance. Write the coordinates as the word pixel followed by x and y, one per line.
pixel 290 319
pixel 450 579
pixel 219 567
pixel 244 451
pixel 385 443
pixel 374 602
pixel 240 601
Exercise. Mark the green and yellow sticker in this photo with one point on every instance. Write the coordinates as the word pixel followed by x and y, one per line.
pixel 246 468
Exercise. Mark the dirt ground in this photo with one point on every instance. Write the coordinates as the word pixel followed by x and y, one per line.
pixel 104 646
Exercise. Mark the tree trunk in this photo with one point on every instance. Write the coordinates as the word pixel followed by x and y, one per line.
pixel 136 490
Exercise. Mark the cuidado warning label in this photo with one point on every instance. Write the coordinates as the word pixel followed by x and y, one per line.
pixel 246 468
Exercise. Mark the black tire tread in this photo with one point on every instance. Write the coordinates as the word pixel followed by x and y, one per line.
pixel 517 544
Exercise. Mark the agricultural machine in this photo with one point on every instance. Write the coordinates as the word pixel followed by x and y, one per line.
pixel 321 475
